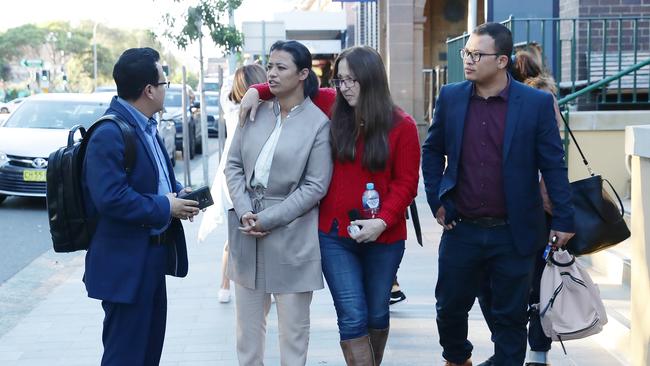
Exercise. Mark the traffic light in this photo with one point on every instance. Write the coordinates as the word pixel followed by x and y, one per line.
pixel 45 75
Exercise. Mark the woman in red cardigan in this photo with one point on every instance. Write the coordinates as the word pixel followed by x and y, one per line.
pixel 373 141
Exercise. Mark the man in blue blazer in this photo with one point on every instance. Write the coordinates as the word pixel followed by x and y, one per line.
pixel 139 237
pixel 490 138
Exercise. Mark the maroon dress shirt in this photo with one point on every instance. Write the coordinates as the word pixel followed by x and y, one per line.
pixel 479 189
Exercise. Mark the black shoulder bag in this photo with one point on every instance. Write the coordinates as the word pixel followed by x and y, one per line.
pixel 599 222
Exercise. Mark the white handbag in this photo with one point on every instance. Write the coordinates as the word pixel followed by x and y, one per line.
pixel 570 304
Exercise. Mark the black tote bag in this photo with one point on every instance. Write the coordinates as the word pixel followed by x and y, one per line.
pixel 599 222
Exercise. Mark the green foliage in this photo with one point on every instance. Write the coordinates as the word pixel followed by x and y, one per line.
pixel 210 13
pixel 69 50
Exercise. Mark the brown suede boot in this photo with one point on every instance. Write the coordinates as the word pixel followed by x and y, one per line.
pixel 358 352
pixel 467 362
pixel 378 338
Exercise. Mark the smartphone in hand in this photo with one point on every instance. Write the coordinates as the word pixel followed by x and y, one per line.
pixel 201 195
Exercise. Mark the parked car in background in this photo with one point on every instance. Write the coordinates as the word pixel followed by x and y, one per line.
pixel 211 84
pixel 212 105
pixel 11 105
pixel 36 128
pixel 174 112
pixel 167 133
pixel 40 126
pixel 106 89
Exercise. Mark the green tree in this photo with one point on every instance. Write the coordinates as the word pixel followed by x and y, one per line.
pixel 183 30
pixel 23 41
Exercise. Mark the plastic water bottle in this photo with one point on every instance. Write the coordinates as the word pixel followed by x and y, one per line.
pixel 370 201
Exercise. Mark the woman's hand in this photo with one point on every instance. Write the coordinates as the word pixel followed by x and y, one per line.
pixel 250 225
pixel 249 103
pixel 371 229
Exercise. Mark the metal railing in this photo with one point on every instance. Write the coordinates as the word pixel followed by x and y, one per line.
pixel 563 103
pixel 580 52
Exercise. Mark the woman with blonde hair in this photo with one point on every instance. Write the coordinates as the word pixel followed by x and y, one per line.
pixel 232 92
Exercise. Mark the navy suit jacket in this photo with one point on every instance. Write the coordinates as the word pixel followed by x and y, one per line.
pixel 531 143
pixel 126 207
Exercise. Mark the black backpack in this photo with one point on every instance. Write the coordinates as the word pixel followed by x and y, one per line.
pixel 70 226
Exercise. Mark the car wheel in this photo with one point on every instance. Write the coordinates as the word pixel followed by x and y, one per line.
pixel 2 197
pixel 4 110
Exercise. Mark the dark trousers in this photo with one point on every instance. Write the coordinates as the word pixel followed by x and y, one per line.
pixel 359 277
pixel 537 340
pixel 464 251
pixel 134 333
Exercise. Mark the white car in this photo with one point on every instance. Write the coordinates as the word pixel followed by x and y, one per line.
pixel 39 126
pixel 11 105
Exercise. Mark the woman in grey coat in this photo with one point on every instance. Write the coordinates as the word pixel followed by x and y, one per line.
pixel 279 167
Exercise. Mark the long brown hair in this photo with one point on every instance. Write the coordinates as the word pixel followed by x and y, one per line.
pixel 371 119
pixel 526 66
pixel 245 76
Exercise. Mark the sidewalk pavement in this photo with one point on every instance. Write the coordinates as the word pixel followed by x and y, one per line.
pixel 64 328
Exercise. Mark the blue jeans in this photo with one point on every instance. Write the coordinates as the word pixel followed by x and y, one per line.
pixel 464 253
pixel 359 277
pixel 537 340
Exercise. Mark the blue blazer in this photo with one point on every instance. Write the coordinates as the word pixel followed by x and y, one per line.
pixel 127 207
pixel 531 143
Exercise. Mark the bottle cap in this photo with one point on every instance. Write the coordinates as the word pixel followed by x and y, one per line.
pixel 370 186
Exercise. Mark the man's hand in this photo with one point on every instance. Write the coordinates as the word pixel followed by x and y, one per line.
pixel 370 230
pixel 183 209
pixel 249 103
pixel 250 225
pixel 440 218
pixel 562 238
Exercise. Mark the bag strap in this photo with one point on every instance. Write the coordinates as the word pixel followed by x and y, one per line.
pixel 620 202
pixel 416 222
pixel 127 133
pixel 584 159
pixel 567 264
pixel 591 172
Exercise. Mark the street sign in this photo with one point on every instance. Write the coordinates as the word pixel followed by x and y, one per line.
pixel 31 63
pixel 259 36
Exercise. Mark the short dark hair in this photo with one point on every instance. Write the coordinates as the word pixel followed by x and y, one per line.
pixel 501 35
pixel 135 69
pixel 302 58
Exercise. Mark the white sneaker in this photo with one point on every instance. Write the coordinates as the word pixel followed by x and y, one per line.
pixel 224 295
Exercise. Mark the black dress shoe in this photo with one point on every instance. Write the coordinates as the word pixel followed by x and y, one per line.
pixel 488 362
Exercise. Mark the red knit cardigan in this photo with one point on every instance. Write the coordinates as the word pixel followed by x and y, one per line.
pixel 397 184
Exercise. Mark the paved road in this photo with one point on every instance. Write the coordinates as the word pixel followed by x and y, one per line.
pixel 24 230
pixel 24 233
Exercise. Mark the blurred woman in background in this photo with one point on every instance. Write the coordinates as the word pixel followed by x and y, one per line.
pixel 232 92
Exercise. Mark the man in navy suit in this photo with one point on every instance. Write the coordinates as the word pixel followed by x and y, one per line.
pixel 495 136
pixel 139 237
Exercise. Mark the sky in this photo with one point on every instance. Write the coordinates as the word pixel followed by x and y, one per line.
pixel 123 13
pixel 145 14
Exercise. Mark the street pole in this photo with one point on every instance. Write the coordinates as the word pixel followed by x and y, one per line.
pixel 263 43
pixel 204 112
pixel 186 134
pixel 232 58
pixel 471 15
pixel 221 124
pixel 95 54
